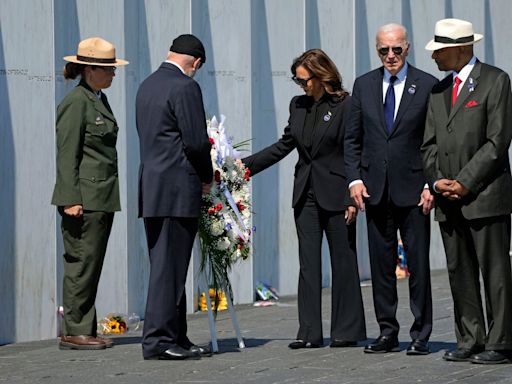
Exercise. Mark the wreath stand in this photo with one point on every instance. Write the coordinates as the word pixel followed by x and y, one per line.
pixel 203 286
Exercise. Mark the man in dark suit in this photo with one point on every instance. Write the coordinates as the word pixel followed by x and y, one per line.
pixel 385 174
pixel 465 152
pixel 175 168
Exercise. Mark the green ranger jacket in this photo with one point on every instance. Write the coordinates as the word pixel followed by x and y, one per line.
pixel 86 152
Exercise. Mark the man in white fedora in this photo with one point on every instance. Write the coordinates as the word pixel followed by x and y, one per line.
pixel 465 153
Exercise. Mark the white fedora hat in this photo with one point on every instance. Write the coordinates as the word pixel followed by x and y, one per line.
pixel 96 51
pixel 453 33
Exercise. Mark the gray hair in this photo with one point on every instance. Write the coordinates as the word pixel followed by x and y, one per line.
pixel 389 28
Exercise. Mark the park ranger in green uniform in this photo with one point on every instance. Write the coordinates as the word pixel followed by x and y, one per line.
pixel 87 188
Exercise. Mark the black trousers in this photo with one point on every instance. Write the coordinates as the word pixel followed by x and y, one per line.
pixel 383 221
pixel 85 243
pixel 474 246
pixel 170 241
pixel 347 316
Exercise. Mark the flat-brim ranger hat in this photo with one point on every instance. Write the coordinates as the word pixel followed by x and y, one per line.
pixel 453 33
pixel 96 51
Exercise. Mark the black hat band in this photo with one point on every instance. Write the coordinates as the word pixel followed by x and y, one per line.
pixel 448 40
pixel 96 60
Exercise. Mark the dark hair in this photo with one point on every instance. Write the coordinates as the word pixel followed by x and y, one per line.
pixel 322 67
pixel 73 70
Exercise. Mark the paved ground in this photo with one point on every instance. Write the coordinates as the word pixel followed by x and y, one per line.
pixel 266 359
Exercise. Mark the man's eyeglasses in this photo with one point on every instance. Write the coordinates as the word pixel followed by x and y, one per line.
pixel 301 82
pixel 385 50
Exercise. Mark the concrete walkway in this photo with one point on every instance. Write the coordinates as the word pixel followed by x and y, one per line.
pixel 266 359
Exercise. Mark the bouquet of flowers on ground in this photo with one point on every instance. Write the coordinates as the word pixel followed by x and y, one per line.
pixel 225 223
pixel 118 323
pixel 113 323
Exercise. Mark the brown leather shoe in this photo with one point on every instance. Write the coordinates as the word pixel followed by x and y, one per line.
pixel 109 343
pixel 81 342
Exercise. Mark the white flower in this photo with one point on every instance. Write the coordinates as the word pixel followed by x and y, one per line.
pixel 232 235
pixel 217 228
pixel 223 243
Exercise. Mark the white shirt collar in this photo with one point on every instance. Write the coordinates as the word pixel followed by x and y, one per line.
pixel 177 65
pixel 466 70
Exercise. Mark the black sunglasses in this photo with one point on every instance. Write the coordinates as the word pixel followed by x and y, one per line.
pixel 396 50
pixel 302 82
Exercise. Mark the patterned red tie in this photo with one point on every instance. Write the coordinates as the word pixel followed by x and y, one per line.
pixel 455 90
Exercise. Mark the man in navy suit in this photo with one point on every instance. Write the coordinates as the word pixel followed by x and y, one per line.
pixel 175 169
pixel 385 174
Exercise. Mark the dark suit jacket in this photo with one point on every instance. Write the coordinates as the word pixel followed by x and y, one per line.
pixel 376 157
pixel 324 165
pixel 174 145
pixel 86 152
pixel 470 142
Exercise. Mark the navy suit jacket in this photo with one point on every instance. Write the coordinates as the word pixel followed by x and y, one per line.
pixel 324 165
pixel 174 146
pixel 379 158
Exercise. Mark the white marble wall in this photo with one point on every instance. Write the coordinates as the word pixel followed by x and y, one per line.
pixel 27 222
pixel 250 46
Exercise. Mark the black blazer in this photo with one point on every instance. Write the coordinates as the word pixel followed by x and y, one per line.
pixel 324 165
pixel 174 146
pixel 376 157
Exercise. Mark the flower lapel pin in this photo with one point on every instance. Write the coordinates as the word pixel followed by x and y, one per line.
pixel 471 103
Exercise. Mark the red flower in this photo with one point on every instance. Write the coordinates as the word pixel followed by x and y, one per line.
pixel 211 211
pixel 240 206
pixel 212 142
pixel 217 176
pixel 247 175
pixel 218 207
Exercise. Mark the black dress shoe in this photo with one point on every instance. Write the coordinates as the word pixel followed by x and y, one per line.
pixel 491 357
pixel 461 354
pixel 383 344
pixel 418 347
pixel 298 344
pixel 201 350
pixel 342 343
pixel 175 353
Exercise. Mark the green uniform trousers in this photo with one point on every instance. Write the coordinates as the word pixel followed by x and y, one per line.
pixel 85 243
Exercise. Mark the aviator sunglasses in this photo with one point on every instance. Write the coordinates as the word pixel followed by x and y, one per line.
pixel 396 50
pixel 301 82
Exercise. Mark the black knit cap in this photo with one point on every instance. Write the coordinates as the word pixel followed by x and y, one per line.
pixel 189 45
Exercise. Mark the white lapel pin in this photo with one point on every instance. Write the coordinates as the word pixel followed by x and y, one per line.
pixel 471 84
pixel 328 116
pixel 412 89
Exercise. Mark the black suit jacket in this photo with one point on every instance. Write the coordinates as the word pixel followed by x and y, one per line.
pixel 376 157
pixel 324 166
pixel 174 146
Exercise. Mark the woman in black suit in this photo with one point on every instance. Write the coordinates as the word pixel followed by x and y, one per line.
pixel 316 129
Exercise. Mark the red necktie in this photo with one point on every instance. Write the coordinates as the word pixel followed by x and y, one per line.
pixel 455 90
